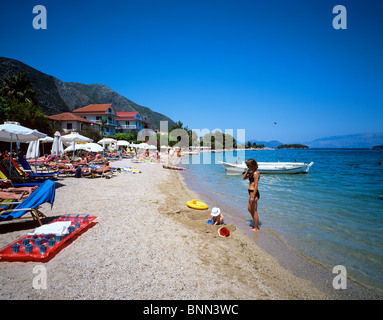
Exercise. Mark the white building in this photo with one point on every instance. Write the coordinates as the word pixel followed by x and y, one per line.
pixel 98 112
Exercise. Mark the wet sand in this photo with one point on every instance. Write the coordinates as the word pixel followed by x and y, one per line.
pixel 141 248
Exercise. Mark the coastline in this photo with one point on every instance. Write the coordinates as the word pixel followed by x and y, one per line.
pixel 236 257
pixel 318 273
pixel 140 249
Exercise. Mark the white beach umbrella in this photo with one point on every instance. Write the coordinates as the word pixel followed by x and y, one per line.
pixel 91 147
pixel 57 146
pixel 94 147
pixel 107 141
pixel 45 140
pixel 143 145
pixel 14 132
pixel 81 146
pixel 123 143
pixel 33 151
pixel 152 147
pixel 73 138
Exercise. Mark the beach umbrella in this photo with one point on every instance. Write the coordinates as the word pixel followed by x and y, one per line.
pixel 152 147
pixel 94 147
pixel 14 132
pixel 33 151
pixel 91 147
pixel 57 146
pixel 76 147
pixel 143 145
pixel 123 143
pixel 45 140
pixel 107 141
pixel 73 138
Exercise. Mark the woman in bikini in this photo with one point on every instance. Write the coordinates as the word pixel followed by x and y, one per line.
pixel 253 175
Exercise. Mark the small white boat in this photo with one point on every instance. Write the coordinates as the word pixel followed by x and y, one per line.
pixel 268 167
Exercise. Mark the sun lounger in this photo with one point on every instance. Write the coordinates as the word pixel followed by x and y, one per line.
pixel 27 168
pixel 44 193
pixel 4 176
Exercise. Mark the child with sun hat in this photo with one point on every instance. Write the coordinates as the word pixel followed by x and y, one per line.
pixel 217 216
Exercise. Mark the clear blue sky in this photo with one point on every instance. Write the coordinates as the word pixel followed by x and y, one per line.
pixel 217 64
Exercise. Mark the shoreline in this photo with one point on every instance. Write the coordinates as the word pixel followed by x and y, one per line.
pixel 280 283
pixel 288 257
pixel 140 249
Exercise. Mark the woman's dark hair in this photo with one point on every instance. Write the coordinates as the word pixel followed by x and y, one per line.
pixel 252 164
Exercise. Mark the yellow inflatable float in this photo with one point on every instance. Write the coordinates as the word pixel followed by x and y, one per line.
pixel 197 204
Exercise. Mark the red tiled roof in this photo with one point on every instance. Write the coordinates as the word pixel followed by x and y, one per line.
pixel 128 119
pixel 93 108
pixel 67 116
pixel 126 114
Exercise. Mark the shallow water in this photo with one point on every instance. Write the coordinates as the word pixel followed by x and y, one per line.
pixel 333 214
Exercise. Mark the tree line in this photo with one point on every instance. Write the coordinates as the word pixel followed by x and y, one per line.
pixel 19 102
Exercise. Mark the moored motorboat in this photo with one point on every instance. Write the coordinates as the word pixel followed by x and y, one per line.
pixel 268 167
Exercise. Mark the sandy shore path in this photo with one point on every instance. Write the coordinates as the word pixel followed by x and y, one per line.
pixel 141 249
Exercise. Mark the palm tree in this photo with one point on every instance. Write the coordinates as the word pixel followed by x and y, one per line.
pixel 18 87
pixel 103 123
pixel 178 125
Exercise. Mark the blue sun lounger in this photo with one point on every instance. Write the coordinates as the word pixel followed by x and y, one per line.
pixel 27 168
pixel 44 193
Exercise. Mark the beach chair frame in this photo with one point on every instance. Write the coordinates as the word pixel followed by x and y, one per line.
pixel 44 193
pixel 35 213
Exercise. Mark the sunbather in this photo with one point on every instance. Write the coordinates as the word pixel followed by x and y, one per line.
pixel 105 168
pixel 27 190
pixel 6 195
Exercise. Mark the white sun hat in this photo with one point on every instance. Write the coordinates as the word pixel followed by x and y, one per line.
pixel 215 212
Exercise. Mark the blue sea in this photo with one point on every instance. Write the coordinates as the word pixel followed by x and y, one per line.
pixel 333 215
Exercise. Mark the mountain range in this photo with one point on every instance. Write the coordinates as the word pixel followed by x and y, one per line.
pixel 359 140
pixel 268 144
pixel 56 96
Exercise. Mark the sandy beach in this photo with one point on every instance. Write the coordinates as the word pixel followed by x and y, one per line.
pixel 140 248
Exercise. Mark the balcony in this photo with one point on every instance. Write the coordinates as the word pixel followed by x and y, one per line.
pixel 109 123
pixel 127 127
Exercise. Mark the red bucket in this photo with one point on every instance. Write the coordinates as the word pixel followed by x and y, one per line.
pixel 224 232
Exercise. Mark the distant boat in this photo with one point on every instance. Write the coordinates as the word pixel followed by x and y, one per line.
pixel 268 167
